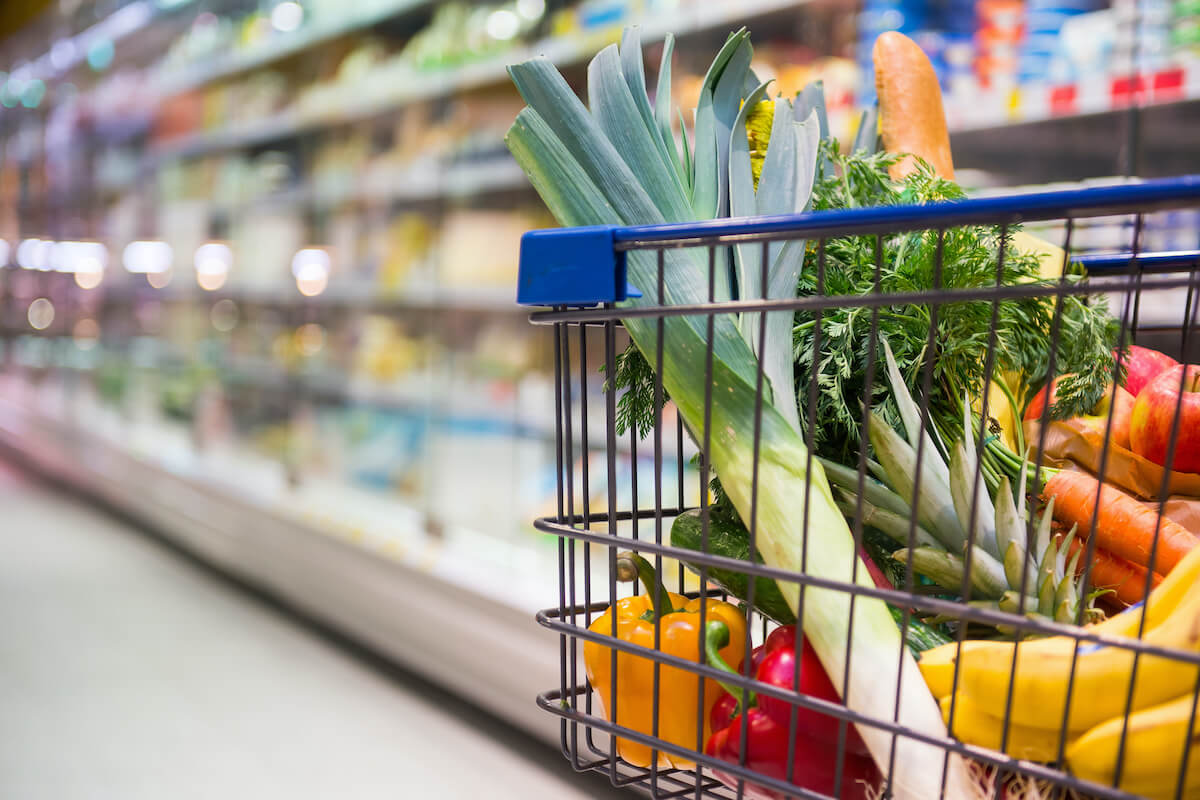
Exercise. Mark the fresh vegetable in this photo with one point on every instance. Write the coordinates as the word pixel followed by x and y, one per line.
pixel 619 163
pixel 1126 580
pixel 1124 526
pixel 728 537
pixel 1168 409
pixel 963 535
pixel 769 721
pixel 675 622
pixel 843 347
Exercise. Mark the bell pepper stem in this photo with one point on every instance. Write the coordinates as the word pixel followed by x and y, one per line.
pixel 631 567
pixel 716 636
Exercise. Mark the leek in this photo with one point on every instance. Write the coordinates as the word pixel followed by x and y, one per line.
pixel 571 157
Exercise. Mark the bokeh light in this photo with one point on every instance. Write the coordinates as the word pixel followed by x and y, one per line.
pixel 147 256
pixel 287 16
pixel 86 333
pixel 212 261
pixel 224 315
pixel 309 339
pixel 40 314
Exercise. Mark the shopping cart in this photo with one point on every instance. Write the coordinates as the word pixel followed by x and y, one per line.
pixel 581 275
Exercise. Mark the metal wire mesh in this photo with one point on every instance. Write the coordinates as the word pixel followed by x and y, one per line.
pixel 620 493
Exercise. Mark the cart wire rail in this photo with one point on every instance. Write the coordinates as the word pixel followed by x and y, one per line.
pixel 603 507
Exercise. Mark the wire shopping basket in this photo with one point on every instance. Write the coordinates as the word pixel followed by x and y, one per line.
pixel 640 693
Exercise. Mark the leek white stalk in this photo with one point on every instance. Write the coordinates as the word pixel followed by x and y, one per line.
pixel 570 157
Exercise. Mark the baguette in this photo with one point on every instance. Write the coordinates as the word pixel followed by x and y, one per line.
pixel 911 117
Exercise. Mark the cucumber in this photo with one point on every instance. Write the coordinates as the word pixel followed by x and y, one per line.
pixel 921 635
pixel 729 538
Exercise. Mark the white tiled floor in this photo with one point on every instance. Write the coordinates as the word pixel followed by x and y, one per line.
pixel 126 671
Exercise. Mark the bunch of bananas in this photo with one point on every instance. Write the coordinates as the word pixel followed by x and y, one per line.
pixel 1159 732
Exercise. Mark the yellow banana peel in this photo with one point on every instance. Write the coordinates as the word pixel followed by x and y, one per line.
pixel 975 726
pixel 1155 741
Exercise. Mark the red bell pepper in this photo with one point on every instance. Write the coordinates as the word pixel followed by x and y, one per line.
pixel 768 720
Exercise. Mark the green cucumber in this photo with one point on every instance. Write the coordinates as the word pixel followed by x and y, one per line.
pixel 730 539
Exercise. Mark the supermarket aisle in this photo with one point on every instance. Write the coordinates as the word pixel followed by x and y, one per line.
pixel 127 671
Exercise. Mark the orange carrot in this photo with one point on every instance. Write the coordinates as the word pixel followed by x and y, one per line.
pixel 1124 526
pixel 1126 579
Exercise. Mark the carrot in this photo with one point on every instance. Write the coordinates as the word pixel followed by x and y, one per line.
pixel 1124 527
pixel 1126 579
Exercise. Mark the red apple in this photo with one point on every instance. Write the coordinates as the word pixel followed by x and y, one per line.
pixel 1038 403
pixel 1142 365
pixel 1154 416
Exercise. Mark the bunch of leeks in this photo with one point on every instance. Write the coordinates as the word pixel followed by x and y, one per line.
pixel 617 161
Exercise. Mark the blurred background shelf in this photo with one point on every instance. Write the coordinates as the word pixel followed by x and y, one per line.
pixel 362 16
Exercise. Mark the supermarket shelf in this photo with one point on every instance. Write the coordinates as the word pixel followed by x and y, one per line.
pixel 1032 151
pixel 196 75
pixel 357 296
pixel 330 385
pixel 424 607
pixel 414 86
pixel 429 183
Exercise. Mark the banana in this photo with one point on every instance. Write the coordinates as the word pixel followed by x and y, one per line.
pixel 1154 748
pixel 975 726
pixel 937 666
pixel 1102 675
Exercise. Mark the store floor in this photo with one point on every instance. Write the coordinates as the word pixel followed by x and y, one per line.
pixel 129 671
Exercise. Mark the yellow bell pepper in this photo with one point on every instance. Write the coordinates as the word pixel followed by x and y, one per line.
pixel 681 636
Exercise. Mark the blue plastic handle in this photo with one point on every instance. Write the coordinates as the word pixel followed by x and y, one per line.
pixel 586 266
pixel 572 267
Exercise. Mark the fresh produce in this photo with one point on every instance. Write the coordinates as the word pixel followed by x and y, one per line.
pixel 634 620
pixel 1124 527
pixel 1154 419
pixel 843 346
pixel 972 724
pixel 1142 365
pixel 728 537
pixel 1102 673
pixel 1156 740
pixel 1119 404
pixel 769 721
pixel 1126 580
pixel 960 529
pixel 620 163
pixel 937 666
pixel 1116 400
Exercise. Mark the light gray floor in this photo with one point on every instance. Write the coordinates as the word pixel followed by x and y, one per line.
pixel 127 671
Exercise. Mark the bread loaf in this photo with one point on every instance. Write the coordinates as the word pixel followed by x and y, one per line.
pixel 911 117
